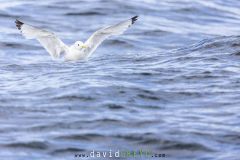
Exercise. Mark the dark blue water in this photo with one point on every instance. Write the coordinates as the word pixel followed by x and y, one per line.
pixel 169 85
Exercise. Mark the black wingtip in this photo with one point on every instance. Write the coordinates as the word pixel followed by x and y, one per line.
pixel 134 19
pixel 19 24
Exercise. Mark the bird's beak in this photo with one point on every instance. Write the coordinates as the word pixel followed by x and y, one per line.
pixel 84 46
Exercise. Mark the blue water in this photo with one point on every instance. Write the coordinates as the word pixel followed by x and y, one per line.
pixel 169 85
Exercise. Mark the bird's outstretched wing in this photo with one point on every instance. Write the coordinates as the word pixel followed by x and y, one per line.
pixel 99 36
pixel 48 40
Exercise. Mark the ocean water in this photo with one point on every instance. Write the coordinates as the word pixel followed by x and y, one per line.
pixel 170 85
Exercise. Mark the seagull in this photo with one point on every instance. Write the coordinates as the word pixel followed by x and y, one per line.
pixel 79 50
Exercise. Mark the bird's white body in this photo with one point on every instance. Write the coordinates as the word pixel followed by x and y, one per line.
pixel 77 51
pixel 73 54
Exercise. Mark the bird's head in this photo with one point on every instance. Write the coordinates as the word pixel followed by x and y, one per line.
pixel 79 45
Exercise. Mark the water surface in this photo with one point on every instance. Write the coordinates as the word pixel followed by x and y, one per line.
pixel 170 84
